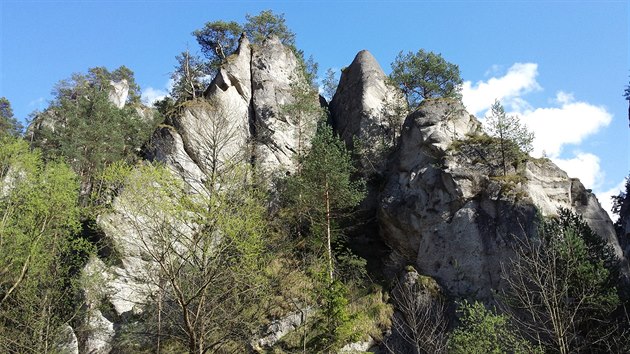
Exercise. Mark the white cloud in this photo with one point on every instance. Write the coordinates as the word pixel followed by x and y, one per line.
pixel 605 199
pixel 150 95
pixel 570 123
pixel 565 122
pixel 38 104
pixel 584 166
pixel 519 80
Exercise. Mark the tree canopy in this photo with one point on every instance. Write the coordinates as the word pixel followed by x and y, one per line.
pixel 218 40
pixel 8 124
pixel 40 255
pixel 423 75
pixel 267 24
pixel 84 126
pixel 514 138
pixel 561 287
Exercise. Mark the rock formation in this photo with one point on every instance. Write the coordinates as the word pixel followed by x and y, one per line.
pixel 437 209
pixel 442 213
pixel 367 112
pixel 241 118
pixel 244 115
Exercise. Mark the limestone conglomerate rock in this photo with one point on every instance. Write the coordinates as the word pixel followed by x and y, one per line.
pixel 119 93
pixel 277 79
pixel 443 213
pixel 168 148
pixel 366 109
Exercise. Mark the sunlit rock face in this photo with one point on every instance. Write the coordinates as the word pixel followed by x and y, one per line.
pixel 367 111
pixel 441 212
pixel 119 93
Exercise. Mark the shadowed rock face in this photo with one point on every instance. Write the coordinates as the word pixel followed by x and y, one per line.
pixel 367 110
pixel 440 212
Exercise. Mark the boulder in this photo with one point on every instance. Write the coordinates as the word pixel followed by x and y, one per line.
pixel 67 342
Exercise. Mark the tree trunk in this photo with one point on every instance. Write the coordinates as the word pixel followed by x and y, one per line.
pixel 328 235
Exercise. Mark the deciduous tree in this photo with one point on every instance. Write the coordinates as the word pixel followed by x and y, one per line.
pixel 561 286
pixel 39 254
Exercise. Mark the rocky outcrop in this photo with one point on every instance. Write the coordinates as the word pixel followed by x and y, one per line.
pixel 244 116
pixel 441 212
pixel 277 83
pixel 367 111
pixel 119 93
pixel 280 328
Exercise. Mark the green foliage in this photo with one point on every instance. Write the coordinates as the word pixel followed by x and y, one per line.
pixel 482 331
pixel 208 253
pixel 329 84
pixel 425 75
pixel 83 126
pixel 188 77
pixel 322 190
pixel 266 24
pixel 8 124
pixel 562 286
pixel 585 262
pixel 39 255
pixel 335 324
pixel 621 207
pixel 514 139
pixel 218 40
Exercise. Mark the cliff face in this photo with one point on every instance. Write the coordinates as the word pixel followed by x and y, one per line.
pixel 442 213
pixel 435 208
pixel 367 112
pixel 242 117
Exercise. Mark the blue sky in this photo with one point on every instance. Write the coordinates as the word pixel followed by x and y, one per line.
pixel 561 65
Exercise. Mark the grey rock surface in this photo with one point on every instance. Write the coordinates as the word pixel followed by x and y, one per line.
pixel 442 213
pixel 276 80
pixel 280 328
pixel 67 342
pixel 119 93
pixel 368 112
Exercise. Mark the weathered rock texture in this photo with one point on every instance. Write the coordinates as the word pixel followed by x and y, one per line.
pixel 368 112
pixel 241 118
pixel 244 115
pixel 442 213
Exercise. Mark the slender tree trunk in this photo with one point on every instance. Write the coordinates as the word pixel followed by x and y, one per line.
pixel 328 235
pixel 159 334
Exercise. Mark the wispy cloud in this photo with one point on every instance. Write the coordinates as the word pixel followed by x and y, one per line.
pixel 151 95
pixel 584 166
pixel 38 104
